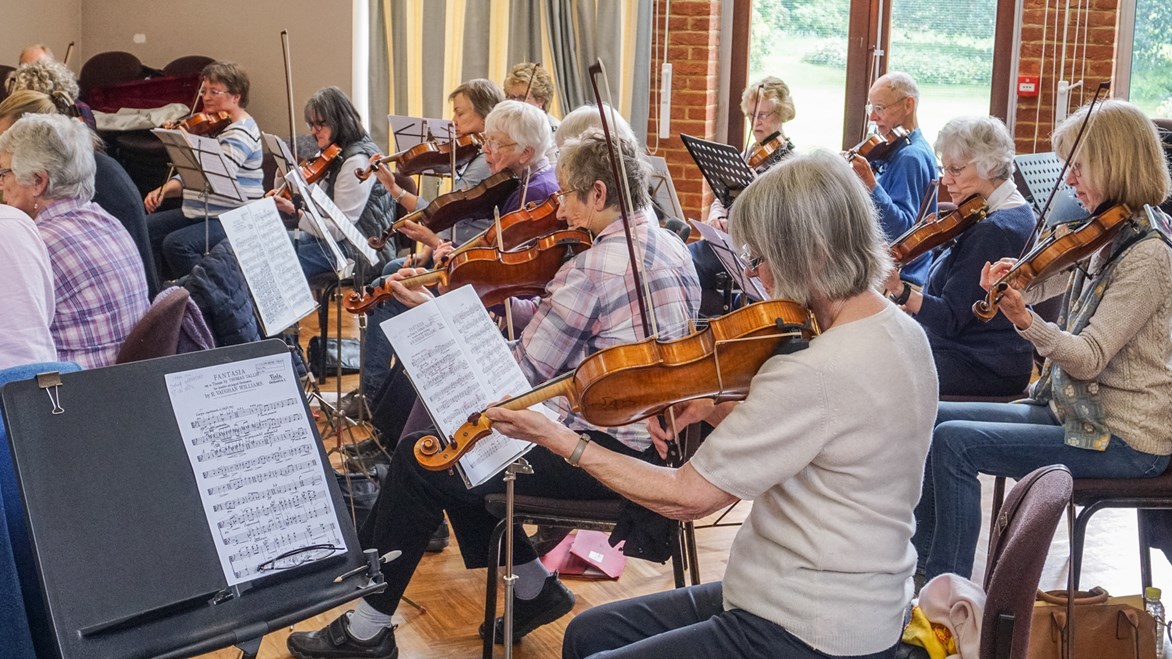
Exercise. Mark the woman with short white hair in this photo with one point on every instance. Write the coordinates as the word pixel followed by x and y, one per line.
pixel 973 358
pixel 47 171
pixel 516 138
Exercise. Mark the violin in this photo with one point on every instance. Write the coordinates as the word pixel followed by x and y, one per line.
pixel 494 274
pixel 430 156
pixel 204 123
pixel 626 383
pixel 517 227
pixel 450 208
pixel 934 232
pixel 766 148
pixel 313 170
pixel 1056 253
pixel 878 147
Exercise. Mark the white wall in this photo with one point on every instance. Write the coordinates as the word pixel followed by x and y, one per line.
pixel 52 22
pixel 244 31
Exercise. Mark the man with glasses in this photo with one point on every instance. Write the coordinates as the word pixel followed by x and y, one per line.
pixel 899 179
pixel 177 235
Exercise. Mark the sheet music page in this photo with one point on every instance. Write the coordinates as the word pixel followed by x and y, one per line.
pixel 721 245
pixel 341 223
pixel 270 266
pixel 211 160
pixel 459 364
pixel 256 463
pixel 280 151
pixel 340 264
pixel 664 191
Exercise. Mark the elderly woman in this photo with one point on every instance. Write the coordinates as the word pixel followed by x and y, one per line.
pixel 768 104
pixel 825 559
pixel 47 171
pixel 973 358
pixel 178 235
pixel 333 120
pixel 588 306
pixel 532 84
pixel 50 77
pixel 1101 404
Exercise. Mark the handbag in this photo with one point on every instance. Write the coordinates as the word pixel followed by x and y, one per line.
pixel 1104 627
pixel 351 360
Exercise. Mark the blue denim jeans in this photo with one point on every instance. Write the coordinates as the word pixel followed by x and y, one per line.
pixel 377 356
pixel 313 254
pixel 1001 439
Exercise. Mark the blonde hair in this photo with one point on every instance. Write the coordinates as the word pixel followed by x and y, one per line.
pixel 541 88
pixel 1120 155
pixel 772 89
pixel 27 101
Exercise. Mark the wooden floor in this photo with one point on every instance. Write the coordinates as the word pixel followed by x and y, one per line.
pixel 454 597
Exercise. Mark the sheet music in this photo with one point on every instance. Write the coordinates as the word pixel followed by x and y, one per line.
pixel 182 157
pixel 730 258
pixel 663 188
pixel 341 223
pixel 280 152
pixel 270 265
pixel 460 363
pixel 259 472
pixel 339 263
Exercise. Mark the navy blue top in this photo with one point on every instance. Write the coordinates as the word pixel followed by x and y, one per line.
pixel 954 284
pixel 903 176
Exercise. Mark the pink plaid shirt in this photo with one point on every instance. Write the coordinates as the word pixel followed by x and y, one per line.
pixel 591 305
pixel 100 285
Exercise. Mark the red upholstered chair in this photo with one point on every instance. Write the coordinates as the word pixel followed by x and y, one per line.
pixel 1018 544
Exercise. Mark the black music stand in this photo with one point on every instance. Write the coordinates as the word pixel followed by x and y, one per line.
pixel 1035 176
pixel 722 166
pixel 199 162
pixel 126 562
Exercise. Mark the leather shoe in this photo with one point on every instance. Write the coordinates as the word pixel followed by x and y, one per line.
pixel 553 602
pixel 334 641
pixel 439 539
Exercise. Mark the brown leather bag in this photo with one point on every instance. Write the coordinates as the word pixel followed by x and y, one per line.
pixel 1104 627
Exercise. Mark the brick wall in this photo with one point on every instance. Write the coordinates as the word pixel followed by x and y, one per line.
pixel 1035 115
pixel 693 50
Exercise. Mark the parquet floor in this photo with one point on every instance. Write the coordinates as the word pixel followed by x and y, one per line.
pixel 454 597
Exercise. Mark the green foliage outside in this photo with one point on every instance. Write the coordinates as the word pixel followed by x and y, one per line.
pixel 1151 60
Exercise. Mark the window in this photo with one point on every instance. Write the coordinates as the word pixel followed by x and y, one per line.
pixel 1151 55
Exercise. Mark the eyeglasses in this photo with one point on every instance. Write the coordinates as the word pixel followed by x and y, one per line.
pixel 561 196
pixel 1075 169
pixel 4 171
pixel 497 145
pixel 751 261
pixel 880 108
pixel 208 91
pixel 762 116
pixel 297 557
pixel 956 171
pixel 517 97
pixel 316 125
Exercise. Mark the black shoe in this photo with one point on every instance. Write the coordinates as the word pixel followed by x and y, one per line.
pixel 553 602
pixel 439 539
pixel 334 641
pixel 546 538
pixel 363 448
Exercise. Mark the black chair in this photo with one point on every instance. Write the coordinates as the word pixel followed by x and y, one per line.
pixel 4 71
pixel 187 64
pixel 107 68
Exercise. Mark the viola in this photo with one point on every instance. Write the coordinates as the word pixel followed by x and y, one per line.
pixel 450 208
pixel 934 232
pixel 766 148
pixel 314 169
pixel 430 156
pixel 626 383
pixel 1056 253
pixel 878 147
pixel 517 227
pixel 495 275
pixel 204 123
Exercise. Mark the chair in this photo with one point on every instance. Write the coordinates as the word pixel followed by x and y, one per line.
pixel 187 64
pixel 4 71
pixel 592 515
pixel 107 68
pixel 23 621
pixel 1018 544
pixel 161 332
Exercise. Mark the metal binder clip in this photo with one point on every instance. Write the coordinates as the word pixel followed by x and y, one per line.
pixel 51 383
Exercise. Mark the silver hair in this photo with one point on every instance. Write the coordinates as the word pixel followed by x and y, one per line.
pixel 812 222
pixel 902 84
pixel 983 141
pixel 527 125
pixel 585 159
pixel 586 116
pixel 59 147
pixel 45 76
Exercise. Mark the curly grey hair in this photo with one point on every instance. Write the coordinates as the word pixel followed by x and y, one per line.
pixel 983 141
pixel 45 76
pixel 57 147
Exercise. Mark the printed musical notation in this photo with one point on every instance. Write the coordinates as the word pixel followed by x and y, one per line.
pixel 253 454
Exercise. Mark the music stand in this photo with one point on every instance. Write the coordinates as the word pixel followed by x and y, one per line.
pixel 722 166
pixel 663 189
pixel 199 162
pixel 1035 175
pixel 721 245
pixel 126 559
pixel 276 147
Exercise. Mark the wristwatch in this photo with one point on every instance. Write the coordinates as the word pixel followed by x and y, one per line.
pixel 903 296
pixel 583 440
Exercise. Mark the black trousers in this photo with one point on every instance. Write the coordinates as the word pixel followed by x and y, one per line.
pixel 412 502
pixel 961 376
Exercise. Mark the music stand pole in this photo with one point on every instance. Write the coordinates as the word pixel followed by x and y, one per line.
pixel 520 466
pixel 207 231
